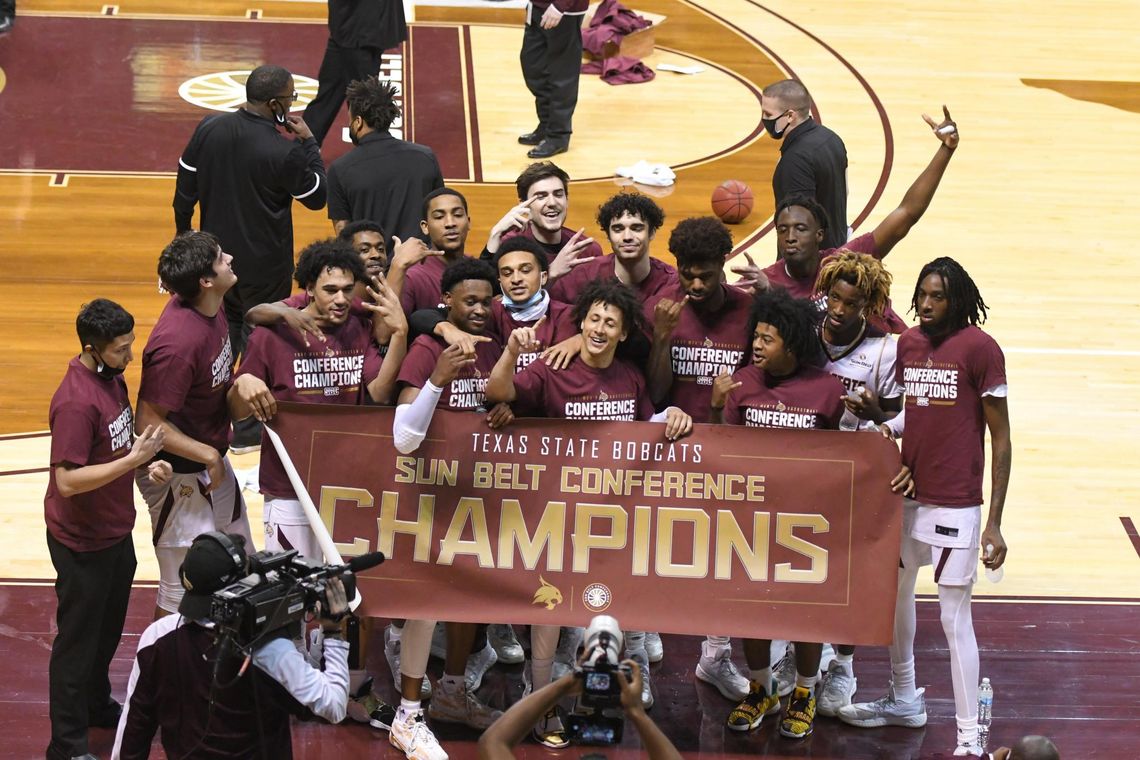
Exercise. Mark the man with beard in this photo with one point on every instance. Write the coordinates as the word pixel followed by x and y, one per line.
pixel 955 381
pixel 383 179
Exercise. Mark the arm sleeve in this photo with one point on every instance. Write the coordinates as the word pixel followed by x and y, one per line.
pixel 897 424
pixel 324 692
pixel 186 187
pixel 411 421
pixel 305 175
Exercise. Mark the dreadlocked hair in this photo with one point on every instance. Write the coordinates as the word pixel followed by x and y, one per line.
pixel 964 300
pixel 860 270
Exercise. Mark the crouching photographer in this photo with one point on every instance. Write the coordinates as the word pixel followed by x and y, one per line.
pixel 608 692
pixel 192 677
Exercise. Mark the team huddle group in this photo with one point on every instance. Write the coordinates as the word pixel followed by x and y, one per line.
pixel 540 323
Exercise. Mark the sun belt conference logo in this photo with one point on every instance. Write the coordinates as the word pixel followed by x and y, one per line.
pixel 547 594
pixel 597 596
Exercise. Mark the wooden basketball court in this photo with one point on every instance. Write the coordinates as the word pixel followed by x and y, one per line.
pixel 1037 204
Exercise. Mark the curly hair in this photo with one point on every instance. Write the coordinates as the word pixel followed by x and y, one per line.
pixel 635 204
pixel 332 253
pixel 860 270
pixel 467 268
pixel 812 206
pixel 374 101
pixel 700 240
pixel 611 292
pixel 966 306
pixel 101 321
pixel 796 319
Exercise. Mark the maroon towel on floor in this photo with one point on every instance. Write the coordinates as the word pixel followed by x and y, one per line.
pixel 611 22
pixel 620 70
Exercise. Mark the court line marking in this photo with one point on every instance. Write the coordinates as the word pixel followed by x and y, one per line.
pixel 1133 536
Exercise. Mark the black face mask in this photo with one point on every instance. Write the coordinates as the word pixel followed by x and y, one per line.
pixel 770 127
pixel 103 370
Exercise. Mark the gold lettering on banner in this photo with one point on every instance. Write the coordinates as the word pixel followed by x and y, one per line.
pixel 730 540
pixel 469 510
pixel 549 534
pixel 586 540
pixel 507 476
pixel 665 566
pixel 641 518
pixel 436 472
pixel 330 495
pixel 388 526
pixel 786 537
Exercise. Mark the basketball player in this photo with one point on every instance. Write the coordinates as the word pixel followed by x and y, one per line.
pixel 862 357
pixel 802 224
pixel 415 278
pixel 699 331
pixel 955 381
pixel 368 239
pixel 544 195
pixel 606 313
pixel 186 373
pixel 434 375
pixel 630 221
pixel 279 366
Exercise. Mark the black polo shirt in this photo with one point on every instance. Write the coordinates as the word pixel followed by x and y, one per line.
pixel 383 180
pixel 813 162
pixel 244 174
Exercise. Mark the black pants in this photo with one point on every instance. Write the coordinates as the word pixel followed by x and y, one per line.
pixel 551 62
pixel 339 67
pixel 93 589
pixel 7 7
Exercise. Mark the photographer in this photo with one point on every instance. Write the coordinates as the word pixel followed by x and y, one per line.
pixel 499 740
pixel 197 687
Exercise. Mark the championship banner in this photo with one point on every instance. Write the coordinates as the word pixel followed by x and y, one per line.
pixel 783 534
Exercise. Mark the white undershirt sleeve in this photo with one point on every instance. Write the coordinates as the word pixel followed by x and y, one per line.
pixel 410 424
pixel 324 692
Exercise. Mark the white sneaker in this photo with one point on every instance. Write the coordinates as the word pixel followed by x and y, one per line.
pixel 654 647
pixel 784 672
pixel 392 655
pixel 886 711
pixel 506 644
pixel 642 658
pixel 969 749
pixel 566 656
pixel 461 706
pixel 717 668
pixel 477 666
pixel 836 689
pixel 412 736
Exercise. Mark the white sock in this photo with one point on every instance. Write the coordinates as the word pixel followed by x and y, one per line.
pixel 762 676
pixel 902 644
pixel 967 730
pixel 958 624
pixel 807 682
pixel 847 661
pixel 718 642
pixel 395 633
pixel 408 708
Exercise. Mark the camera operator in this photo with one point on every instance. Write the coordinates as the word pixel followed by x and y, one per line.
pixel 197 687
pixel 499 740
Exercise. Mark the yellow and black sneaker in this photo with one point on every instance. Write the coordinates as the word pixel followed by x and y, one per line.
pixel 752 709
pixel 550 732
pixel 798 720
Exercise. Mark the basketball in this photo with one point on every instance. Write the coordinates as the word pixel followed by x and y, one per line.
pixel 732 201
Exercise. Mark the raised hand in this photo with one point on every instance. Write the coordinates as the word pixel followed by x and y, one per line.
pixel 722 386
pixel 568 257
pixel 947 131
pixel 752 278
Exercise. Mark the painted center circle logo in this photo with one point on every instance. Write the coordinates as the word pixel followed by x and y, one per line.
pixel 597 596
pixel 225 90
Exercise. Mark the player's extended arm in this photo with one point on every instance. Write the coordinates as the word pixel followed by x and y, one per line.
pixel 996 411
pixel 501 384
pixel 178 443
pixel 918 196
pixel 498 741
pixel 383 387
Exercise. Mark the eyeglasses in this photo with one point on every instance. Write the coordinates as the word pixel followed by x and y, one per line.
pixel 287 97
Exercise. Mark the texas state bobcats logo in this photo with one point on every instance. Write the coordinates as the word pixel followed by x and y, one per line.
pixel 780 406
pixel 603 396
pixel 185 491
pixel 547 595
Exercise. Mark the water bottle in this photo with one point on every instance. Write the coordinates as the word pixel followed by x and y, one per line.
pixel 994 576
pixel 985 711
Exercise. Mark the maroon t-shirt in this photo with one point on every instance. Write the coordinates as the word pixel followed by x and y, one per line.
pixel 704 345
pixel 804 287
pixel 559 326
pixel 592 250
pixel 567 287
pixel 421 285
pixel 333 372
pixel 581 392
pixel 91 423
pixel 302 299
pixel 466 393
pixel 808 398
pixel 187 369
pixel 944 442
